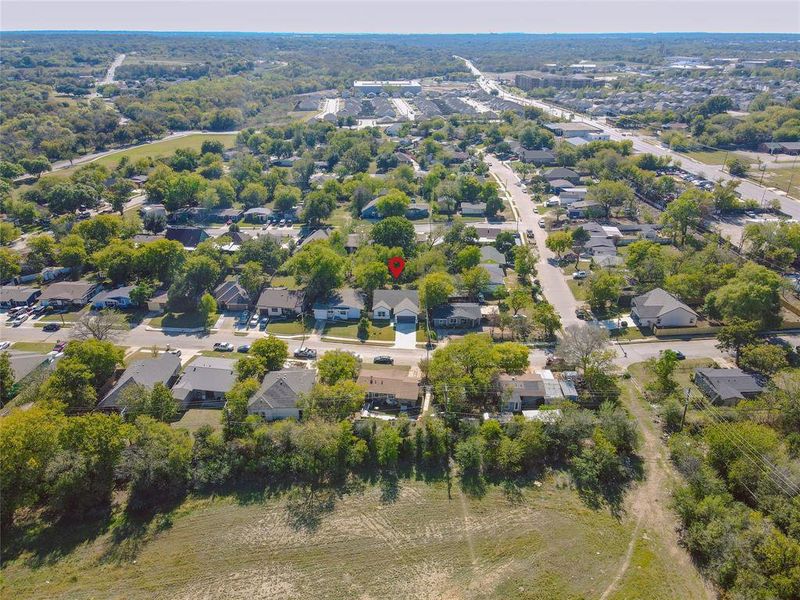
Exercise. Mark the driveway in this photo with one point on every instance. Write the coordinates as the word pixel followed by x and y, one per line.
pixel 405 336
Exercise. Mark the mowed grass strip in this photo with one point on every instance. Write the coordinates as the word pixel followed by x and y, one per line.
pixel 412 542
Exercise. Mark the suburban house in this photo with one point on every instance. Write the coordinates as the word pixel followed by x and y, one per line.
pixel 117 298
pixel 791 148
pixel 462 315
pixel 583 209
pixel 490 254
pixel 205 382
pixel 340 305
pixel 352 243
pixel 149 211
pixel 159 301
pixel 473 209
pixel 24 363
pixel 537 157
pixel 189 237
pixel 572 194
pixel 402 306
pixel 370 210
pixel 496 275
pixel 417 210
pixel 389 388
pixel 237 238
pixel 278 396
pixel 280 302
pixel 230 295
pixel 529 390
pixel 317 234
pixel 559 185
pixel 146 373
pixel 659 308
pixel 561 173
pixel 727 386
pixel 225 214
pixel 258 214
pixel 68 293
pixel 487 234
pixel 18 295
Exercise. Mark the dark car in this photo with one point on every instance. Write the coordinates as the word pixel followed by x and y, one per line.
pixel 308 353
pixel 679 355
pixel 51 327
pixel 244 348
pixel 383 360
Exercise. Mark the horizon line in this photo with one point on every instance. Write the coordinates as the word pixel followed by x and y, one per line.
pixel 396 33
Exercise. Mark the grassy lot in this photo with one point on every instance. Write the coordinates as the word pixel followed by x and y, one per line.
pixel 341 217
pixel 286 281
pixel 349 329
pixel 293 327
pixel 180 320
pixel 716 157
pixel 141 354
pixel 166 148
pixel 194 418
pixel 578 288
pixel 780 178
pixel 67 317
pixel 682 374
pixel 408 542
pixel 43 347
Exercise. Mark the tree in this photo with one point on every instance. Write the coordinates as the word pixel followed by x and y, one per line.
pixel 35 166
pixel 392 204
pixel 663 369
pixel 559 242
pixel 463 371
pixel 101 357
pixel 735 334
pixel 682 213
pixel 519 298
pixel 6 378
pixel 72 253
pixel 504 242
pixel 524 262
pixel 119 193
pixel 9 264
pixel 254 194
pixel 647 263
pixel 318 206
pixel 585 345
pixel 475 280
pixel 158 402
pixel 512 357
pixel 334 402
pixel 318 267
pixel 72 384
pixel 286 198
pixel 753 294
pixel 604 289
pixel 252 278
pixel 738 167
pixel 371 276
pixel 609 193
pixel 271 351
pixel 725 196
pixel 396 232
pixel 336 366
pixel 467 258
pixel 434 289
pixel 160 260
pixel 545 317
pixel 107 324
pixel 766 359
pixel 207 308
pixel 8 233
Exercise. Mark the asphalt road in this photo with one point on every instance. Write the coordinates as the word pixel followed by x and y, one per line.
pixel 747 188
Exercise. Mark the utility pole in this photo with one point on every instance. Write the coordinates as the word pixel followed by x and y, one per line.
pixel 685 406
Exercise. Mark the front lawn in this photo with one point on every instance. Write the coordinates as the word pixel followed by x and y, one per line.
pixel 293 327
pixel 43 347
pixel 349 329
pixel 578 288
pixel 178 320
pixel 70 316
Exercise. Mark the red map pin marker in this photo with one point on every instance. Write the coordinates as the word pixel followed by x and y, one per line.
pixel 396 266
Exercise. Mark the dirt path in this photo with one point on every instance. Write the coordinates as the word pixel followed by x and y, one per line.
pixel 650 501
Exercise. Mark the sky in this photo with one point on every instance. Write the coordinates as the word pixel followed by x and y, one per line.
pixel 405 16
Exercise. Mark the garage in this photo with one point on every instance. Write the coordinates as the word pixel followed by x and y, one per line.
pixel 406 318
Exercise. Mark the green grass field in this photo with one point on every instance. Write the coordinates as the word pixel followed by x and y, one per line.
pixel 165 148
pixel 293 327
pixel 377 333
pixel 716 157
pixel 194 418
pixel 179 320
pixel 408 542
pixel 43 347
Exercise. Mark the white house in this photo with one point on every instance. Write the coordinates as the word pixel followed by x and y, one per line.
pixel 341 305
pixel 572 194
pixel 400 305
pixel 118 298
pixel 658 308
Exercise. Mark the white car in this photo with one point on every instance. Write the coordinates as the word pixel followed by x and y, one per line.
pixel 4 345
pixel 579 275
pixel 536 209
pixel 541 223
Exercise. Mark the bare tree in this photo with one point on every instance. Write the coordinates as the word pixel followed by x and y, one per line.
pixel 106 324
pixel 586 345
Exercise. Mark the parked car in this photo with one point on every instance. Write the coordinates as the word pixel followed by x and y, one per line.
pixel 383 360
pixel 20 320
pixel 174 351
pixel 4 345
pixel 51 327
pixel 59 346
pixel 536 209
pixel 223 347
pixel 244 348
pixel 254 321
pixel 529 233
pixel 581 314
pixel 262 324
pixel 579 275
pixel 541 223
pixel 307 353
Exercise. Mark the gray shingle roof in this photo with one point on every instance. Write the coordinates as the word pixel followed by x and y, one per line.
pixel 345 297
pixel 208 374
pixel 281 298
pixel 492 254
pixel 730 383
pixel 282 389
pixel 457 310
pixel 409 298
pixel 657 302
pixel 145 372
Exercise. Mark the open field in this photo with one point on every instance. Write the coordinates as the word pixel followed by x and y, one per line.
pixel 716 157
pixel 167 147
pixel 43 347
pixel 780 179
pixel 376 542
pixel 178 320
